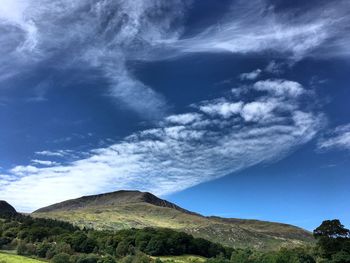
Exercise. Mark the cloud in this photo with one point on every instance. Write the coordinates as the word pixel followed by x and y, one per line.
pixel 184 118
pixel 339 138
pixel 21 170
pixel 44 163
pixel 222 108
pixel 274 67
pixel 279 87
pixel 105 35
pixel 251 75
pixel 216 138
pixel 256 27
pixel 58 153
pixel 12 13
pixel 258 110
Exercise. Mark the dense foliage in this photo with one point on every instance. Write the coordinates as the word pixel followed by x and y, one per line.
pixel 62 242
pixel 58 241
pixel 333 242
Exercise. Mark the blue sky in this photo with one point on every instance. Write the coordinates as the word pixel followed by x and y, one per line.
pixel 225 107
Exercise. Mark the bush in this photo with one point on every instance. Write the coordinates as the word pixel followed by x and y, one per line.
pixel 25 249
pixel 88 259
pixel 123 249
pixel 42 249
pixel 106 259
pixel 61 258
pixel 341 257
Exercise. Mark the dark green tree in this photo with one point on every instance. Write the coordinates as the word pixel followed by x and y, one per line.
pixel 332 237
pixel 331 229
pixel 341 257
pixel 107 259
pixel 61 258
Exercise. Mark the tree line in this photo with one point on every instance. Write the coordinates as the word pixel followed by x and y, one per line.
pixel 61 242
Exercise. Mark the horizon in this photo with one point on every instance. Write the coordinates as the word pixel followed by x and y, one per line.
pixel 231 109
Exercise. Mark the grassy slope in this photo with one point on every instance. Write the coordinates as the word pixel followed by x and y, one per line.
pixel 10 258
pixel 182 259
pixel 230 232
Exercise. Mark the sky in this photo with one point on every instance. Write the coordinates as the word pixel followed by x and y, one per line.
pixel 231 108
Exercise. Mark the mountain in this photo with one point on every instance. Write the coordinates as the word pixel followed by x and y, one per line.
pixel 111 199
pixel 134 209
pixel 6 208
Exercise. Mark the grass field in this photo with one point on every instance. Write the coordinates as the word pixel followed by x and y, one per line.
pixel 182 259
pixel 9 258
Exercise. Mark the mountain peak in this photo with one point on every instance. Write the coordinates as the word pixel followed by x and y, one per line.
pixel 117 198
pixel 6 208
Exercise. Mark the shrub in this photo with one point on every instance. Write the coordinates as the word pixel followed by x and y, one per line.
pixel 88 259
pixel 61 258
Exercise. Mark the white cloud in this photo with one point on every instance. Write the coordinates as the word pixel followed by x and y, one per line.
pixel 255 26
pixel 174 155
pixel 24 170
pixel 258 110
pixel 225 109
pixel 251 75
pixel 106 34
pixel 280 87
pixel 12 12
pixel 102 34
pixel 45 163
pixel 339 138
pixel 184 118
pixel 59 153
pixel 274 67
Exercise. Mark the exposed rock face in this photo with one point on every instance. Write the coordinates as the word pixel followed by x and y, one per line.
pixel 6 208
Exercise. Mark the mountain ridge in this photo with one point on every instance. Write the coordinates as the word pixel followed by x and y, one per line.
pixel 119 197
pixel 134 209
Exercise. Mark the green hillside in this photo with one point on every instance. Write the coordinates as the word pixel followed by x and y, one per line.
pixel 132 209
pixel 9 258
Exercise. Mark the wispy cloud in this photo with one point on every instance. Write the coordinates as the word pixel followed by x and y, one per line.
pixel 339 138
pixel 274 67
pixel 44 163
pixel 107 34
pixel 100 34
pixel 255 27
pixel 59 153
pixel 251 75
pixel 214 139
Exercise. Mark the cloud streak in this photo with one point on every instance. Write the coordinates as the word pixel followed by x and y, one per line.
pixel 102 34
pixel 256 27
pixel 216 138
pixel 106 34
pixel 339 138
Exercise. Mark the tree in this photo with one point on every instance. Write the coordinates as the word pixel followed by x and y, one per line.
pixel 42 249
pixel 123 248
pixel 141 258
pixel 88 259
pixel 155 247
pixel 61 258
pixel 331 229
pixel 332 237
pixel 341 257
pixel 106 259
pixel 241 256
